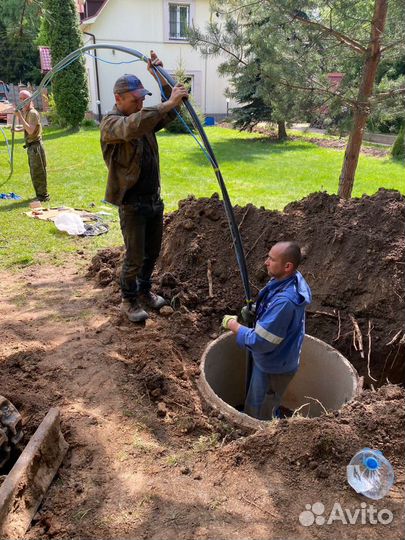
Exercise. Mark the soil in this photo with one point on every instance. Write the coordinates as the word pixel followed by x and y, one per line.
pixel 148 458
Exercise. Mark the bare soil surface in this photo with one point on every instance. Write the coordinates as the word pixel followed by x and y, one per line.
pixel 148 458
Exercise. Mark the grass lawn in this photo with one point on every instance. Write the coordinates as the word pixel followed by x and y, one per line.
pixel 255 170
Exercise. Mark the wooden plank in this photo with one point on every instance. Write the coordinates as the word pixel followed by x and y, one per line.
pixel 25 486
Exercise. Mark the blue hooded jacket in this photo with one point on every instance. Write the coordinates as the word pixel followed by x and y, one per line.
pixel 277 337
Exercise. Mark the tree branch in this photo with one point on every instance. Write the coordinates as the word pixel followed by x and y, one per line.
pixel 384 95
pixel 239 8
pixel 217 44
pixel 350 102
pixel 392 45
pixel 316 87
pixel 20 32
pixel 355 45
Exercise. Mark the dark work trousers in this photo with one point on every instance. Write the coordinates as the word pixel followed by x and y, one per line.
pixel 37 163
pixel 265 393
pixel 142 229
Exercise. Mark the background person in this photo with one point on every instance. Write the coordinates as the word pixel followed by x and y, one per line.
pixel 30 121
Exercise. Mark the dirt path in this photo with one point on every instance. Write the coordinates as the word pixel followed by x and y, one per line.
pixel 131 472
pixel 125 475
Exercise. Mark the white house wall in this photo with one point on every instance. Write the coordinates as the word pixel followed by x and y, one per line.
pixel 140 24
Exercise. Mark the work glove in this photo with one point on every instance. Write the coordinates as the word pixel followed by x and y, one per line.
pixel 248 315
pixel 226 319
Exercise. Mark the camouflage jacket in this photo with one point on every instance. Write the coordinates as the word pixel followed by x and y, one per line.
pixel 122 146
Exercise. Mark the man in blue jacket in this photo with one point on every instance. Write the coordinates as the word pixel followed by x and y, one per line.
pixel 276 339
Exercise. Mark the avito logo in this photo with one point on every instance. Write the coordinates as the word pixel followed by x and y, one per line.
pixel 366 513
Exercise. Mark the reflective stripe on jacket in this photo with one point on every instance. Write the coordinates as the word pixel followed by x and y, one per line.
pixel 277 338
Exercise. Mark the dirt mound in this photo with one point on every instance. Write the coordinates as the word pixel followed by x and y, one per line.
pixel 373 420
pixel 352 261
pixel 309 458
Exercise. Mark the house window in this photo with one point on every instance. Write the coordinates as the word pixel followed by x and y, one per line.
pixel 179 20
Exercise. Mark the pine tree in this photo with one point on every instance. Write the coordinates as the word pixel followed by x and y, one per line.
pixel 69 86
pixel 177 126
pixel 254 46
pixel 246 91
pixel 18 28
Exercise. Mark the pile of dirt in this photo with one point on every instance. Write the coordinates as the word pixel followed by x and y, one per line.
pixel 374 420
pixel 309 457
pixel 352 261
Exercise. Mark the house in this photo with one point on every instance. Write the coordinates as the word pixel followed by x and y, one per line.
pixel 144 25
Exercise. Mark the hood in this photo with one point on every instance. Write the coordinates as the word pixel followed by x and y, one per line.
pixel 295 288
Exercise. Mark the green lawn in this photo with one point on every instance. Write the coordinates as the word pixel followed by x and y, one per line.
pixel 255 170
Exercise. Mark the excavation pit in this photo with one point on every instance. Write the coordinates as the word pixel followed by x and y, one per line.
pixel 325 380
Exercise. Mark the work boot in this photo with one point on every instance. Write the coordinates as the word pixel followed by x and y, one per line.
pixel 133 310
pixel 152 300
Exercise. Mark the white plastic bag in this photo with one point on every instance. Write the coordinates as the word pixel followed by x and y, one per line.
pixel 70 223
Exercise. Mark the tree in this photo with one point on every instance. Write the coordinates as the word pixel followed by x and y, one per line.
pixel 300 41
pixel 19 26
pixel 177 125
pixel 253 64
pixel 372 56
pixel 69 87
pixel 247 92
pixel 387 116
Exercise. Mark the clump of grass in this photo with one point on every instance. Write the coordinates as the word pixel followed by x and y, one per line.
pixel 205 443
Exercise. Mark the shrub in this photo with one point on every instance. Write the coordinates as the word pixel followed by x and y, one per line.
pixel 177 125
pixel 63 35
pixel 52 114
pixel 398 149
pixel 88 123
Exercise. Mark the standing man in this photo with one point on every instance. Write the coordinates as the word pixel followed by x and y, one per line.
pixel 276 339
pixel 131 153
pixel 30 120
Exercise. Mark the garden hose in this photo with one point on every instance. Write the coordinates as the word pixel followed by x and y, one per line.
pixel 75 55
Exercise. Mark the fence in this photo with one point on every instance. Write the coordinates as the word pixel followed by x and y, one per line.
pixel 40 102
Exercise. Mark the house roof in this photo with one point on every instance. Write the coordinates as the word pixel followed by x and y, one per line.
pixel 93 18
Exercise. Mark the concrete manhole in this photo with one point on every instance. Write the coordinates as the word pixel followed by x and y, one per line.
pixel 325 380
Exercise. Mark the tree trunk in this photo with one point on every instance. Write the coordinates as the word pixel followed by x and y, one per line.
pixel 20 32
pixel 362 110
pixel 281 131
